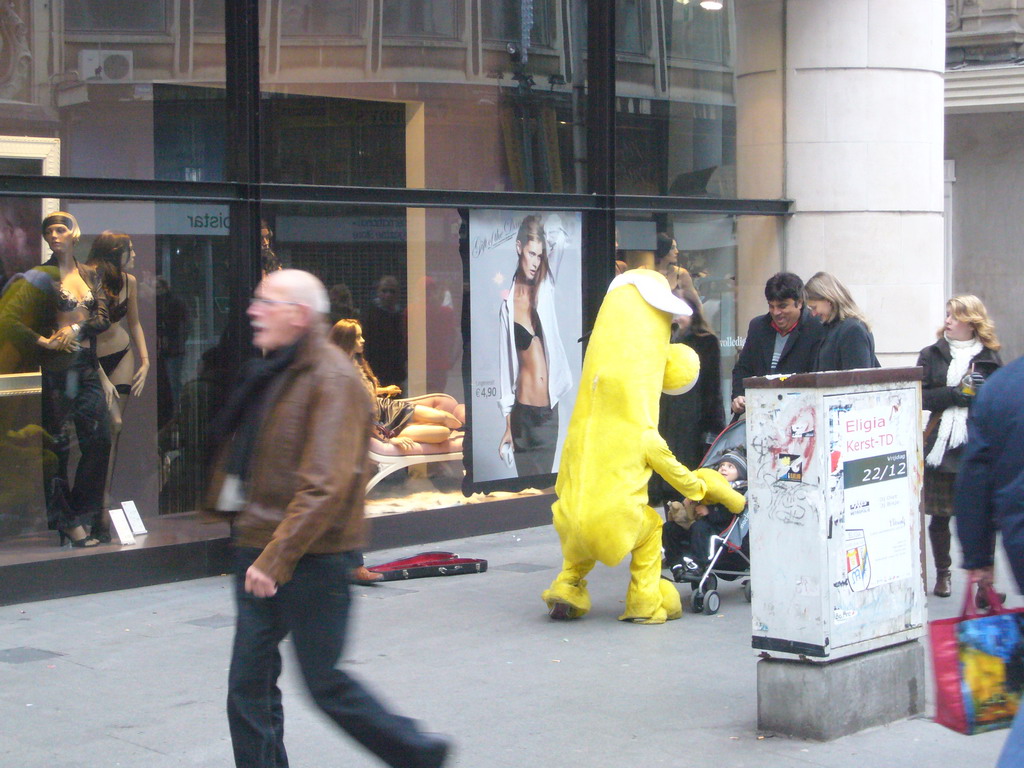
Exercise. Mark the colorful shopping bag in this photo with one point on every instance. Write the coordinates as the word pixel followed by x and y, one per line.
pixel 979 665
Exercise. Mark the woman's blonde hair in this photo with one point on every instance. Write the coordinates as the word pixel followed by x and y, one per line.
pixel 825 287
pixel 970 309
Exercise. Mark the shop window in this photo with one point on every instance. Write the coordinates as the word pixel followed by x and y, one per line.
pixel 321 18
pixel 420 18
pixel 115 16
pixel 705 246
pixel 503 22
pixel 60 469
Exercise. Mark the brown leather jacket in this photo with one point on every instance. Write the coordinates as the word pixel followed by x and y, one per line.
pixel 309 467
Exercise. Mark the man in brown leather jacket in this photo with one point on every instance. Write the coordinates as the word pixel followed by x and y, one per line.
pixel 290 475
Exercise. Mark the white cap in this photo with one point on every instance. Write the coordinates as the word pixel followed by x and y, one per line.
pixel 654 289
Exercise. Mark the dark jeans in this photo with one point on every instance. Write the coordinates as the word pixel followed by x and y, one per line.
pixel 534 437
pixel 74 397
pixel 675 540
pixel 313 606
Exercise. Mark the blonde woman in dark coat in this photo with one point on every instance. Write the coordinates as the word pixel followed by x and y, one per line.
pixel 967 348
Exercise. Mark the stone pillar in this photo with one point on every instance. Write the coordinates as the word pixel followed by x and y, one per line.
pixel 760 154
pixel 860 85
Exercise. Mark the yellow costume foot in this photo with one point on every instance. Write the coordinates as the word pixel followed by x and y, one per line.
pixel 562 612
pixel 566 600
pixel 671 607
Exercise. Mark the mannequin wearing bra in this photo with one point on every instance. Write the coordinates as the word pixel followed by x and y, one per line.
pixel 118 347
pixel 72 395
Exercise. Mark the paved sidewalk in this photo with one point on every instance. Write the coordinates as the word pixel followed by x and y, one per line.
pixel 137 678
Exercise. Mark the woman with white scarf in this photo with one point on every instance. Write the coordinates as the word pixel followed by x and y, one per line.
pixel 954 367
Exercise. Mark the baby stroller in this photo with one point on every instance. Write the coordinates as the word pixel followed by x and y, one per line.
pixel 728 557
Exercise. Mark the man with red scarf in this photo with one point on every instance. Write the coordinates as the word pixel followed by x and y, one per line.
pixel 785 340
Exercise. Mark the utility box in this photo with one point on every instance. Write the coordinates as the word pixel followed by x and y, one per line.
pixel 835 466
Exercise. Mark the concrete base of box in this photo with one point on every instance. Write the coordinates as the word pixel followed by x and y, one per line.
pixel 829 700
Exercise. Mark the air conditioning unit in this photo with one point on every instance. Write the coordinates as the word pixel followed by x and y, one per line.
pixel 105 66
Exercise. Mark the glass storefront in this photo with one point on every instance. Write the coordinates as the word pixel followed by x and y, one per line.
pixel 675 100
pixel 130 90
pixel 426 96
pixel 388 147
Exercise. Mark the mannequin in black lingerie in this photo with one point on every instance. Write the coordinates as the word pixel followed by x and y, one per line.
pixel 111 255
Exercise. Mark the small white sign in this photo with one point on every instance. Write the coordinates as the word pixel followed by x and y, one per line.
pixel 121 526
pixel 134 518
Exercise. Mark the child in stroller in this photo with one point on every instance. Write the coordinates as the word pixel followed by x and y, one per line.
pixel 689 555
pixel 704 542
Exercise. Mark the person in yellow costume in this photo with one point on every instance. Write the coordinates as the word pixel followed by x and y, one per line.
pixel 612 446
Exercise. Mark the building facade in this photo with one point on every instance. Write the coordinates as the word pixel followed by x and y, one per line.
pixel 984 158
pixel 392 148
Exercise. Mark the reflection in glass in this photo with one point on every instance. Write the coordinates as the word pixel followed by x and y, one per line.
pixel 419 101
pixel 503 22
pixel 630 26
pixel 705 247
pixel 304 18
pixel 420 18
pixel 115 16
pixel 138 71
pixel 697 33
pixel 676 124
pixel 170 306
pixel 399 274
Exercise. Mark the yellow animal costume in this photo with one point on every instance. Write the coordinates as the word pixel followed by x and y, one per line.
pixel 613 444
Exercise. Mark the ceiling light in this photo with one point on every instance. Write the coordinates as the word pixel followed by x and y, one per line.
pixel 711 5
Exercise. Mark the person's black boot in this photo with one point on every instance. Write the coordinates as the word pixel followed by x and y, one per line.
pixel 943 585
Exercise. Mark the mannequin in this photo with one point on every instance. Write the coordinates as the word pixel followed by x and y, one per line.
pixel 111 255
pixel 55 314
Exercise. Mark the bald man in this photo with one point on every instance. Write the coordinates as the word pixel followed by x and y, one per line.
pixel 289 475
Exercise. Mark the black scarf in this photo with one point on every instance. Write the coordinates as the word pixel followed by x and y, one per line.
pixel 243 413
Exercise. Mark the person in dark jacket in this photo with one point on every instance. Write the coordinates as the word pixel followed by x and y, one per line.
pixel 967 346
pixel 848 343
pixel 290 476
pixel 386 339
pixel 785 340
pixel 690 421
pixel 989 496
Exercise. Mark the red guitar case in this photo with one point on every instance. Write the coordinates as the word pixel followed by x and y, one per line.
pixel 429 564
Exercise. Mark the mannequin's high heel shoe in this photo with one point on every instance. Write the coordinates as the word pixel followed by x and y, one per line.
pixel 83 541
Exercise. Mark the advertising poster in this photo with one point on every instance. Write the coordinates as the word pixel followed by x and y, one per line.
pixel 870 470
pixel 526 357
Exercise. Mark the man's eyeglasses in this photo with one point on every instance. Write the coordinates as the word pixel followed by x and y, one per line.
pixel 260 301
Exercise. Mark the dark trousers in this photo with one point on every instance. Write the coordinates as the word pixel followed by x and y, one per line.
pixel 534 438
pixel 700 541
pixel 314 607
pixel 675 540
pixel 74 397
pixel 941 538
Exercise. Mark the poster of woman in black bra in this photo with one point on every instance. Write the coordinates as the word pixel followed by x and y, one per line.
pixel 526 320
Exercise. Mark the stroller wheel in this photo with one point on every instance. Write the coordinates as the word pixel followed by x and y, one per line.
pixel 711 583
pixel 747 593
pixel 697 601
pixel 711 603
